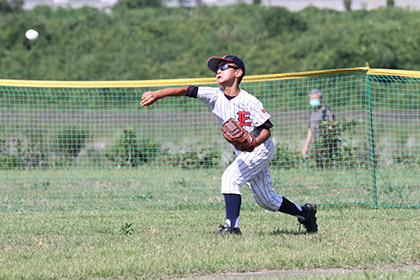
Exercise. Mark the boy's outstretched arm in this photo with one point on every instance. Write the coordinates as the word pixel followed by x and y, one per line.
pixel 150 97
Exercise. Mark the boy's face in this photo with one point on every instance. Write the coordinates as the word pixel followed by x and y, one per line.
pixel 227 73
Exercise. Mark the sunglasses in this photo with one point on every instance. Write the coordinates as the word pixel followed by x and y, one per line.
pixel 224 67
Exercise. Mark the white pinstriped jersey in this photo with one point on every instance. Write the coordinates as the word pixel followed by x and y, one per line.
pixel 244 107
pixel 250 168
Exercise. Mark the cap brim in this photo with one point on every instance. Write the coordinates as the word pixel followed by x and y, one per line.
pixel 213 62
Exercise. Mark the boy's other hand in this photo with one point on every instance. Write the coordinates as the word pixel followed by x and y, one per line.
pixel 148 98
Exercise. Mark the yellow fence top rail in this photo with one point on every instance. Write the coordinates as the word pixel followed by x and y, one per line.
pixel 198 81
pixel 393 72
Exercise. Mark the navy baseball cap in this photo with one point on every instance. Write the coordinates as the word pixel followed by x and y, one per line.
pixel 213 62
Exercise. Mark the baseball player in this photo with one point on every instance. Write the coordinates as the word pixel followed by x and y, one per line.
pixel 250 167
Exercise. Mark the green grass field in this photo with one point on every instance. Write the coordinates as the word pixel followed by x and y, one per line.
pixel 167 244
pixel 170 188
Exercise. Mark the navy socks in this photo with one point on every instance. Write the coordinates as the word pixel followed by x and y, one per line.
pixel 233 207
pixel 290 208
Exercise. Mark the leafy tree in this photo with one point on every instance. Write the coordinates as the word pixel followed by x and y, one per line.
pixel 347 5
pixel 277 20
pixel 9 6
pixel 163 43
pixel 135 4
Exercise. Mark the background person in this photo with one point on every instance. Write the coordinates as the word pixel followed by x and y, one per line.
pixel 319 114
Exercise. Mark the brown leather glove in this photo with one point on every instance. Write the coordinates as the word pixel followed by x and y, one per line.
pixel 235 134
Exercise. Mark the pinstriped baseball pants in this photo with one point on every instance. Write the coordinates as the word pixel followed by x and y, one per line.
pixel 253 169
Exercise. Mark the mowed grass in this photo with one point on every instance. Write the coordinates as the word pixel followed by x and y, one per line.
pixel 151 244
pixel 170 187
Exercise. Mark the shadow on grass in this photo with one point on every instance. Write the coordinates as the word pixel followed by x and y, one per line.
pixel 283 231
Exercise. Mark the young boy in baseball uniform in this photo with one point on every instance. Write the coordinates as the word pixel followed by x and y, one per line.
pixel 251 168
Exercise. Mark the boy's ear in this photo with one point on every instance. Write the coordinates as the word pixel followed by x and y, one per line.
pixel 239 73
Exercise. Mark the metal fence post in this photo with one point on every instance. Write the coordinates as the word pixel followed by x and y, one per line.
pixel 372 141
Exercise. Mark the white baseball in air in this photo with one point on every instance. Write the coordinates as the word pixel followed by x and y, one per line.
pixel 31 34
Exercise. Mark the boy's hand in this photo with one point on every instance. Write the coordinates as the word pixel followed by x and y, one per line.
pixel 148 98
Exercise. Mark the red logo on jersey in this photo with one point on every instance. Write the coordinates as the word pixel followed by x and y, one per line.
pixel 243 118
pixel 263 111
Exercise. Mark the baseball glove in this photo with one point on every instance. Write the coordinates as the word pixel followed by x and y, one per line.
pixel 235 134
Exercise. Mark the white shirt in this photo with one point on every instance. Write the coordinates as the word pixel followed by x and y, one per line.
pixel 244 107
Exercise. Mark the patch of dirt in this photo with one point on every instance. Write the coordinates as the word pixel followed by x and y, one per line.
pixel 302 272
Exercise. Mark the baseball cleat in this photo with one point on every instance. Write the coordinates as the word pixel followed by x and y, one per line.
pixel 310 221
pixel 225 229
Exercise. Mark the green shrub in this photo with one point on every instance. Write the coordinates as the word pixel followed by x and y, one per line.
pixel 70 141
pixel 408 158
pixel 334 149
pixel 201 159
pixel 3 146
pixel 127 150
pixel 191 158
pixel 11 161
pixel 23 152
pixel 285 158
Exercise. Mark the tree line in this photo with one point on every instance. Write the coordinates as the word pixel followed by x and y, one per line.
pixel 156 42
